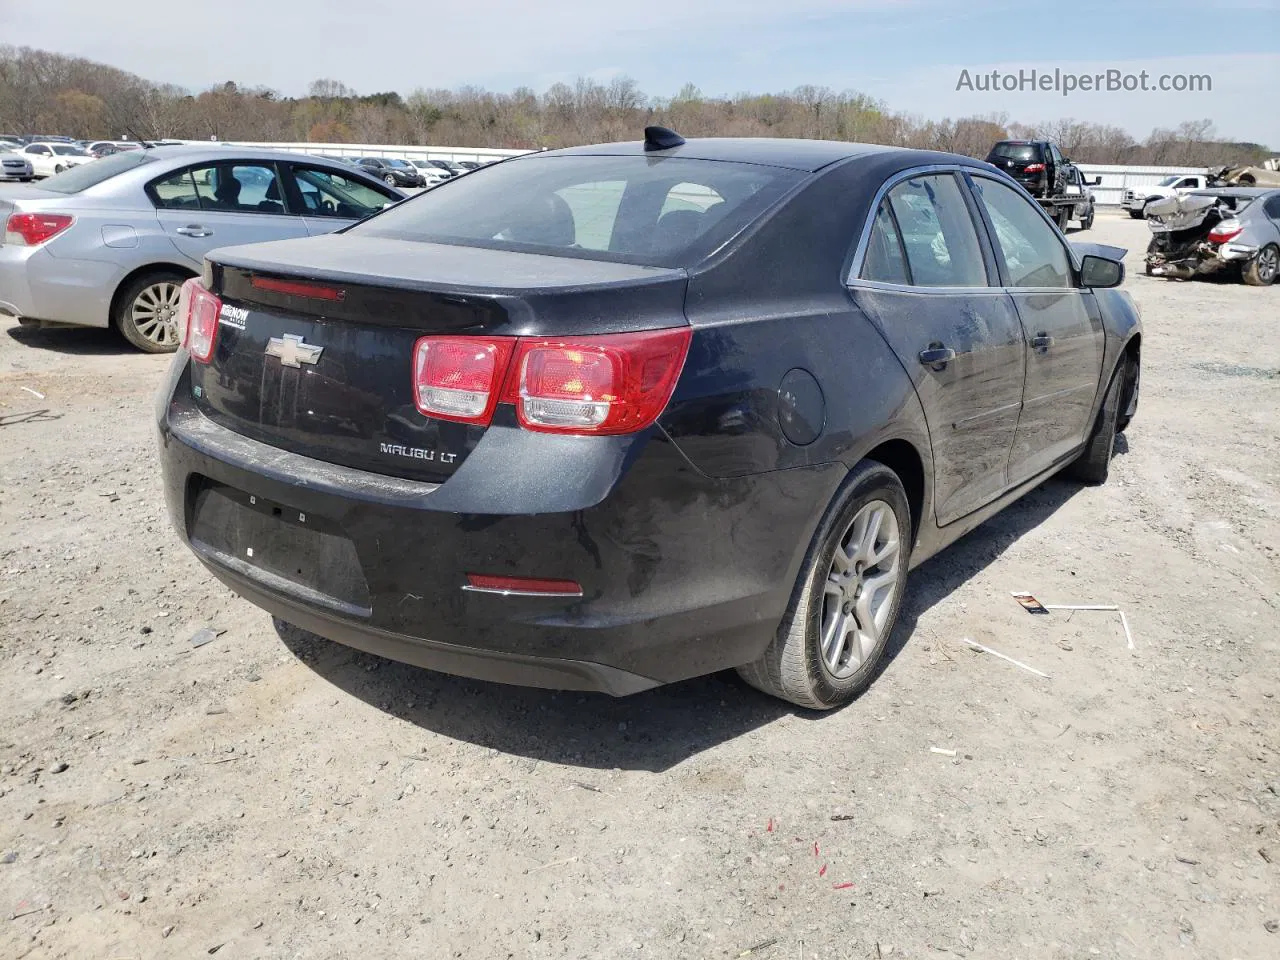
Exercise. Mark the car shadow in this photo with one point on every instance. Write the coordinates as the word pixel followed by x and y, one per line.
pixel 74 341
pixel 653 730
pixel 941 575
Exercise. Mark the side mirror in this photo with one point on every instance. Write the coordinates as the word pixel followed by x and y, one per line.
pixel 1098 271
pixel 1095 182
pixel 1066 159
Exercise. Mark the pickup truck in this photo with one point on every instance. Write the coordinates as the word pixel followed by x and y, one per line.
pixel 1135 199
pixel 1051 179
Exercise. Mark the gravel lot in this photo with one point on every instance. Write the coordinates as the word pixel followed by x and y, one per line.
pixel 271 794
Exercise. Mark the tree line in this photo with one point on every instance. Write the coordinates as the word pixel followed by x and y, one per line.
pixel 45 92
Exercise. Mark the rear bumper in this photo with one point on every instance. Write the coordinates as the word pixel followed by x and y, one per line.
pixel 37 285
pixel 682 575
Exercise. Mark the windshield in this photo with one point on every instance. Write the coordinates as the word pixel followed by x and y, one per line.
pixel 91 174
pixel 1016 151
pixel 658 212
pixel 67 150
pixel 398 163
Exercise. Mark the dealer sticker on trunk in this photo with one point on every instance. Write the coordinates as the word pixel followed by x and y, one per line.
pixel 233 316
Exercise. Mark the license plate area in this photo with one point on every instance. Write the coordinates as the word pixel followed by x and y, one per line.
pixel 279 545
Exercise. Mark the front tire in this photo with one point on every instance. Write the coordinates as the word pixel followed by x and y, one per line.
pixel 1261 271
pixel 389 180
pixel 146 311
pixel 1136 214
pixel 847 599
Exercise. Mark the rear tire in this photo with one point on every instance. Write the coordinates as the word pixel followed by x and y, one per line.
pixel 1094 462
pixel 1062 217
pixel 852 600
pixel 1261 271
pixel 1087 222
pixel 146 311
pixel 389 180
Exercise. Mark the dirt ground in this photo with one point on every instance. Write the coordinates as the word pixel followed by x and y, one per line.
pixel 271 794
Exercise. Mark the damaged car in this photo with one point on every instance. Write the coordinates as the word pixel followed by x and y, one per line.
pixel 1209 231
pixel 1266 175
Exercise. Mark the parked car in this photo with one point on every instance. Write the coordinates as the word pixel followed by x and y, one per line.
pixel 1135 198
pixel 52 157
pixel 10 142
pixel 1042 170
pixel 449 167
pixel 393 172
pixel 1267 175
pixel 526 429
pixel 1210 231
pixel 470 164
pixel 107 148
pixel 15 166
pixel 430 172
pixel 46 138
pixel 110 243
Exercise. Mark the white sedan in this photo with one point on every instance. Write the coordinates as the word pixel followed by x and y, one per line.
pixel 48 159
pixel 429 170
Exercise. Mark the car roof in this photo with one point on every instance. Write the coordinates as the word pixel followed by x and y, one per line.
pixel 189 153
pixel 807 155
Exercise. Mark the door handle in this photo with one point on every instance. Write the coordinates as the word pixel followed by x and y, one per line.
pixel 937 356
pixel 194 230
pixel 1041 342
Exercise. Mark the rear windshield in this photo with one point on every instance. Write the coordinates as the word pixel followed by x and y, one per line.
pixel 91 174
pixel 666 211
pixel 1016 151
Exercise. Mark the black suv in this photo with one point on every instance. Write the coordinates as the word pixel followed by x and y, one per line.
pixel 1036 164
pixel 394 173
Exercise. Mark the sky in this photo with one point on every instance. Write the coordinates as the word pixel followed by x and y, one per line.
pixel 908 53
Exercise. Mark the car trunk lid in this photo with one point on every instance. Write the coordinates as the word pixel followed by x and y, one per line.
pixel 315 342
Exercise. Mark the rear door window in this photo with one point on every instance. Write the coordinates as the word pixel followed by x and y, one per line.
pixel 239 188
pixel 175 192
pixel 937 232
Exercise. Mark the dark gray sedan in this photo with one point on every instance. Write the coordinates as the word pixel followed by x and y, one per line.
pixel 110 243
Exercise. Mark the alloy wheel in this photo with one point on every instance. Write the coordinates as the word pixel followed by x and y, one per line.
pixel 858 595
pixel 155 313
pixel 1268 264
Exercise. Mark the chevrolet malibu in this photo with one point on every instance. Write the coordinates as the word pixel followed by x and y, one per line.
pixel 614 416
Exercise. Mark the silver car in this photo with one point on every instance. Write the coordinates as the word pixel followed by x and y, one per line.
pixel 14 166
pixel 110 243
pixel 1209 231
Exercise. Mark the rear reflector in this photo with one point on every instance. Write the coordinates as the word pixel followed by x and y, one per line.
pixel 457 378
pixel 30 229
pixel 299 288
pixel 198 311
pixel 608 384
pixel 522 586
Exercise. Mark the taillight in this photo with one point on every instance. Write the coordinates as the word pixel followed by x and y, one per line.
pixel 608 384
pixel 1226 230
pixel 30 229
pixel 198 311
pixel 458 378
pixel 1034 168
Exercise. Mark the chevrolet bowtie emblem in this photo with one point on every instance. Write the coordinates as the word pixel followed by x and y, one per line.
pixel 292 351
